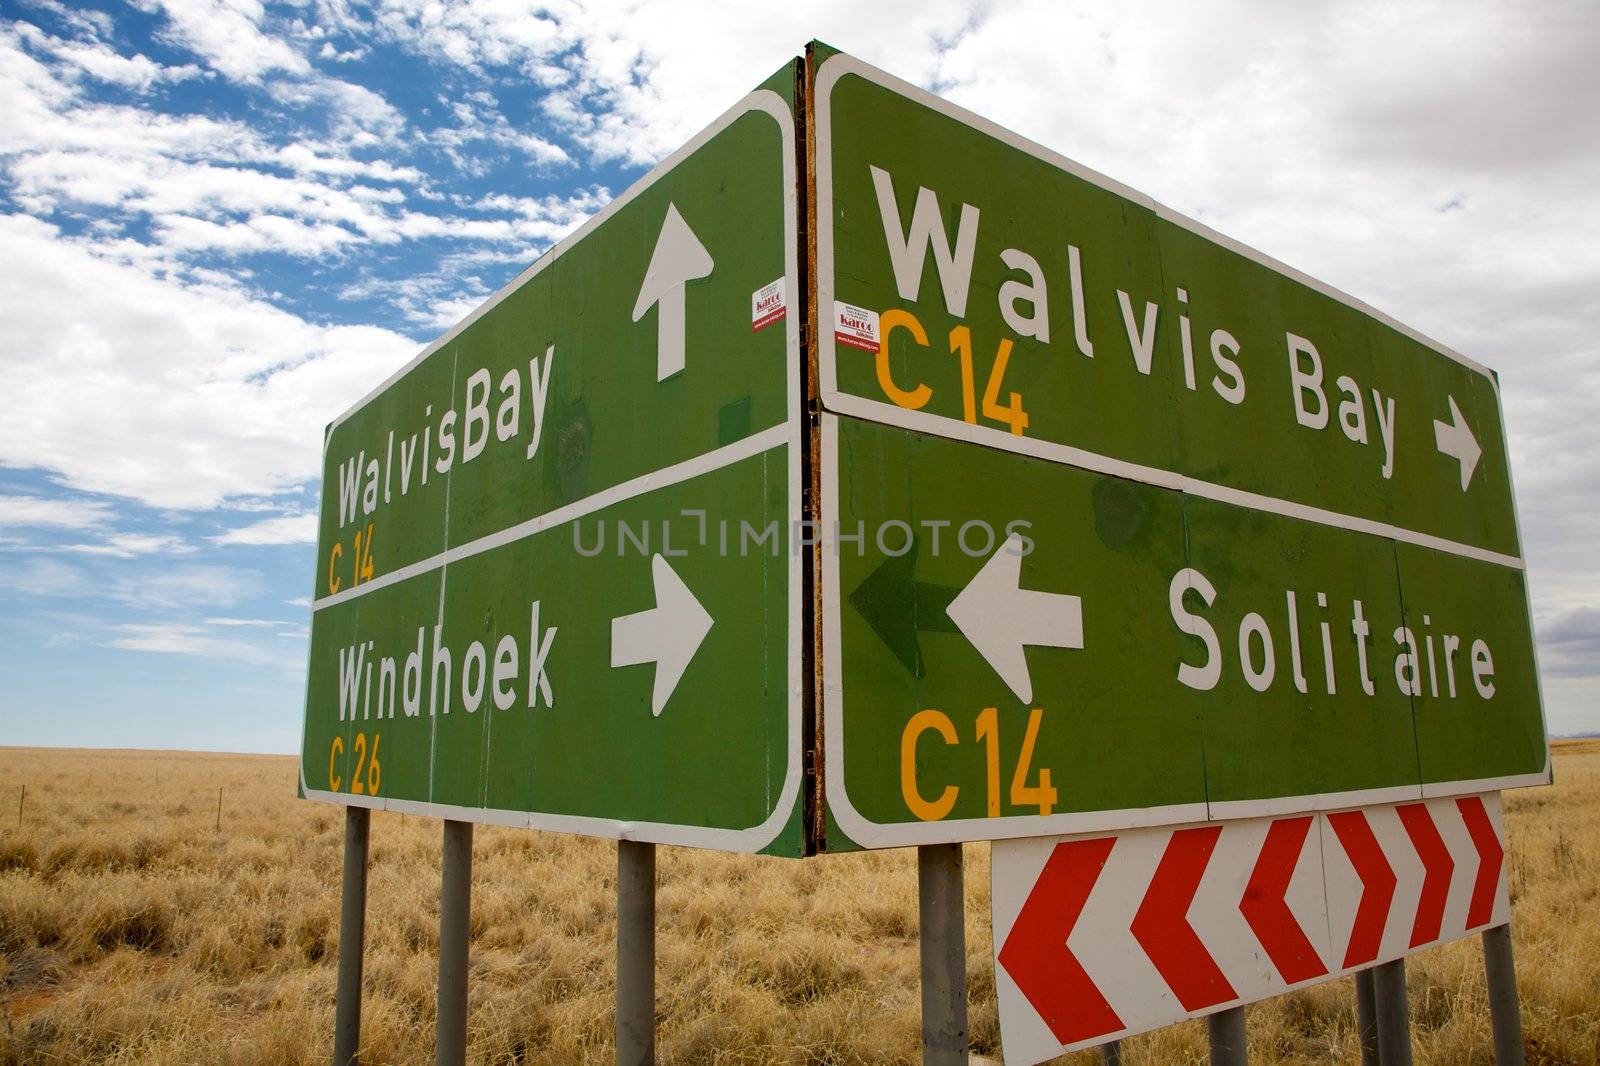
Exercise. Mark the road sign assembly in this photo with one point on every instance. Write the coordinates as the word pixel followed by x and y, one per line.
pixel 1115 522
pixel 866 476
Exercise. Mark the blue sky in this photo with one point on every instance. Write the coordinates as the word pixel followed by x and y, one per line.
pixel 222 222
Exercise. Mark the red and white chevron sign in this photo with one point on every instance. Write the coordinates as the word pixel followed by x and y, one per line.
pixel 1099 937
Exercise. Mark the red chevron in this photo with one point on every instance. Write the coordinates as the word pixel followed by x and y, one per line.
pixel 1377 885
pixel 1162 927
pixel 1490 857
pixel 1265 910
pixel 1037 956
pixel 1437 866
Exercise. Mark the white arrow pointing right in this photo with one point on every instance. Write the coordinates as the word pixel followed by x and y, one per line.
pixel 668 634
pixel 1455 439
pixel 678 259
pixel 999 618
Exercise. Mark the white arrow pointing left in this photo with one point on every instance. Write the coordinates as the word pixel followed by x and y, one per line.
pixel 1455 439
pixel 668 634
pixel 999 618
pixel 679 258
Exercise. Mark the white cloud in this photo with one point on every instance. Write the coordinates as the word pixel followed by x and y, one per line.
pixel 227 36
pixel 562 213
pixel 45 579
pixel 258 233
pixel 184 638
pixel 132 545
pixel 251 623
pixel 632 82
pixel 136 72
pixel 1569 644
pixel 176 394
pixel 452 302
pixel 210 185
pixel 184 587
pixel 79 18
pixel 328 51
pixel 438 299
pixel 363 118
pixel 307 158
pixel 55 511
pixel 171 188
pixel 285 529
pixel 32 93
pixel 479 120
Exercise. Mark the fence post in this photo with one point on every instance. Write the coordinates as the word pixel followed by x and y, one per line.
pixel 636 953
pixel 1366 1018
pixel 20 801
pixel 352 937
pixel 1505 1014
pixel 1392 1013
pixel 1226 1029
pixel 944 955
pixel 1111 1053
pixel 455 905
pixel 219 810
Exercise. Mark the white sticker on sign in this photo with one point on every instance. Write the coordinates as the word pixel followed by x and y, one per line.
pixel 767 305
pixel 855 326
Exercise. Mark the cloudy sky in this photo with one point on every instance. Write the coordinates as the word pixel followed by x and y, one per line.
pixel 222 221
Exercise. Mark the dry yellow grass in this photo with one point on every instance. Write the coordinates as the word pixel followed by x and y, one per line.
pixel 132 931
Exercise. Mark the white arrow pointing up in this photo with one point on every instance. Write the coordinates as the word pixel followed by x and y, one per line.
pixel 999 618
pixel 1455 439
pixel 679 258
pixel 668 634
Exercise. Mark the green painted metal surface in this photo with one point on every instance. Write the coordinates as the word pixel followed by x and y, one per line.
pixel 554 582
pixel 1199 447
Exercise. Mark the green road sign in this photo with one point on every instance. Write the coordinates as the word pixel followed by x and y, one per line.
pixel 1126 522
pixel 555 585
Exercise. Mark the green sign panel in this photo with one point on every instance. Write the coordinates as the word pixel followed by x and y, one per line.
pixel 1128 523
pixel 555 584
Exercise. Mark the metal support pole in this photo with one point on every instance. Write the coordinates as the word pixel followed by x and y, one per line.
pixel 455 905
pixel 1505 1015
pixel 352 938
pixel 1111 1054
pixel 1392 1013
pixel 944 955
pixel 1227 1037
pixel 1366 1018
pixel 636 953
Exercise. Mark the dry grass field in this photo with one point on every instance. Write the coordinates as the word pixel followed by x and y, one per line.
pixel 132 930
